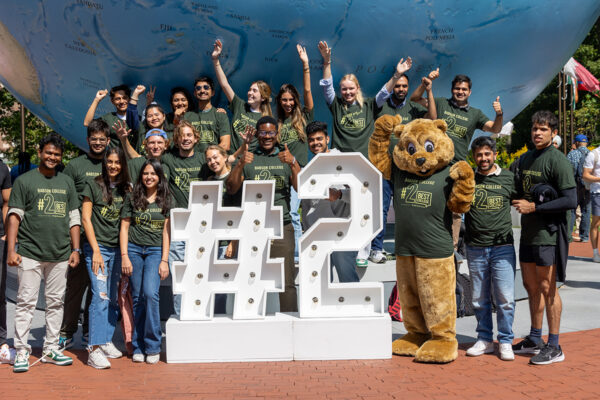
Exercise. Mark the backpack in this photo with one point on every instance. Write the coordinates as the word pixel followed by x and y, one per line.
pixel 394 305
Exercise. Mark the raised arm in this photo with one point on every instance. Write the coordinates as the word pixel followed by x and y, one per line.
pixel 221 77
pixel 89 116
pixel 308 99
pixel 236 177
pixel 401 68
pixel 417 95
pixel 496 125
pixel 431 109
pixel 122 132
pixel 327 81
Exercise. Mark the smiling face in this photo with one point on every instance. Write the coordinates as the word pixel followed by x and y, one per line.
pixel 349 90
pixel 267 136
pixel 179 101
pixel 287 102
pixel 216 161
pixel 254 97
pixel 156 146
pixel 317 142
pixel 149 177
pixel 186 139
pixel 400 90
pixel 203 91
pixel 542 135
pixel 155 117
pixel 97 142
pixel 120 101
pixel 484 159
pixel 50 156
pixel 461 92
pixel 113 166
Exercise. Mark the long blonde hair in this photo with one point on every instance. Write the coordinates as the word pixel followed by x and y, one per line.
pixel 359 96
pixel 265 92
pixel 298 120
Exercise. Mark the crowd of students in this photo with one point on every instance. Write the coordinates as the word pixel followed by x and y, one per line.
pixel 140 165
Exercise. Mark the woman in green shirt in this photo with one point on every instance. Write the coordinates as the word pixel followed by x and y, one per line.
pixel 145 241
pixel 244 112
pixel 100 211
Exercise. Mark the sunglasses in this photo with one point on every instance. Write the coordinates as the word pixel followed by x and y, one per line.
pixel 266 133
pixel 200 87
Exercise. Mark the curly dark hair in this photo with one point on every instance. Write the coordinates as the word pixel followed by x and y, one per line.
pixel 163 195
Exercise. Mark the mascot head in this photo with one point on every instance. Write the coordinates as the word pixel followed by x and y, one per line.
pixel 424 147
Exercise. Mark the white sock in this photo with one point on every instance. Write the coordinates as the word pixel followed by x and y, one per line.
pixel 596 252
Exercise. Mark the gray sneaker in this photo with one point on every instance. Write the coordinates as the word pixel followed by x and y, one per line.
pixel 110 350
pixel 97 359
pixel 377 257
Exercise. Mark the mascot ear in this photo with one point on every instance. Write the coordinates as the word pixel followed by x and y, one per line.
pixel 398 130
pixel 441 125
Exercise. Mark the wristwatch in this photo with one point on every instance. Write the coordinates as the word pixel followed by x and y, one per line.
pixel 77 250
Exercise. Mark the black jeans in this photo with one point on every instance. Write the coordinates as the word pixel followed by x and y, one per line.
pixel 288 300
pixel 3 272
pixel 78 281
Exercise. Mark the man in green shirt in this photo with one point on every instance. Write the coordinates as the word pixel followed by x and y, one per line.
pixel 212 125
pixel 43 211
pixel 490 250
pixel 547 187
pixel 82 169
pixel 271 162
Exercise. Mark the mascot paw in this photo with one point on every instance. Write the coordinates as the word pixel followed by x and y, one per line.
pixel 461 170
pixel 386 123
pixel 437 351
pixel 408 344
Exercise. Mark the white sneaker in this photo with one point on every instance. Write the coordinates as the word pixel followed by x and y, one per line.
pixel 97 359
pixel 480 347
pixel 377 257
pixel 596 258
pixel 506 352
pixel 7 355
pixel 138 357
pixel 110 350
pixel 152 358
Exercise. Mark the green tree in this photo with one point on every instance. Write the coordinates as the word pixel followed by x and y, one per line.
pixel 35 129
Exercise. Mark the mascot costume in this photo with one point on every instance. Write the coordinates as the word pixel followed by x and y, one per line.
pixel 427 190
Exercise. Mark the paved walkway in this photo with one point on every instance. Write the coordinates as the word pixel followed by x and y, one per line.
pixel 400 377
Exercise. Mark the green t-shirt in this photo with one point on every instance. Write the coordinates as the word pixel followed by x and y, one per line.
pixel 228 200
pixel 269 167
pixel 423 226
pixel 489 222
pixel 44 230
pixel 352 126
pixel 169 125
pixel 182 172
pixel 134 137
pixel 83 169
pixel 461 125
pixel 211 125
pixel 105 217
pixel 242 116
pixel 551 167
pixel 289 136
pixel 408 112
pixel 134 166
pixel 146 226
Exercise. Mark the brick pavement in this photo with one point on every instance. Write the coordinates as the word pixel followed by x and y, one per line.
pixel 400 377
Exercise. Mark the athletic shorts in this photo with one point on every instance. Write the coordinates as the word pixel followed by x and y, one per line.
pixel 596 204
pixel 542 256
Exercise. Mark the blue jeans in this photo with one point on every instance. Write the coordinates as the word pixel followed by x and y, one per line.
pixel 294 205
pixel 492 271
pixel 344 263
pixel 585 204
pixel 176 253
pixel 104 308
pixel 386 190
pixel 145 283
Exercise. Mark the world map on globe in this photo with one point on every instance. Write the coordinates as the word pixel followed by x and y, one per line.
pixel 55 55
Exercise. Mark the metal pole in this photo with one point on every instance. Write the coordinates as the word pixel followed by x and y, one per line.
pixel 559 102
pixel 565 129
pixel 22 128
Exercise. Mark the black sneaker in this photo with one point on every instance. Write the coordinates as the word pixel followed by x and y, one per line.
pixel 548 355
pixel 527 346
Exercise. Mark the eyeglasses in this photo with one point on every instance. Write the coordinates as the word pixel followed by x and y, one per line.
pixel 98 139
pixel 266 133
pixel 200 87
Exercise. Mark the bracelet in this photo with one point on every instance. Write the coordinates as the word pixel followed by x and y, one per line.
pixel 124 254
pixel 294 162
pixel 326 63
pixel 395 76
pixel 306 69
pixel 167 261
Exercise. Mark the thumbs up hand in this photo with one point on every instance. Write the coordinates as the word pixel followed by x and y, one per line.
pixel 286 156
pixel 497 106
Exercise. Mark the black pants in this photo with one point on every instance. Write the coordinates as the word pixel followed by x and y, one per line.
pixel 3 272
pixel 288 300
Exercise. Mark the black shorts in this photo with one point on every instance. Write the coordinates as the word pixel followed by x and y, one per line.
pixel 542 256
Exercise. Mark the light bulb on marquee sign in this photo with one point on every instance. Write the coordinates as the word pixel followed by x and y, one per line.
pixel 357 307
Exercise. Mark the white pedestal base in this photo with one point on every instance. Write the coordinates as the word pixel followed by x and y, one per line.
pixel 343 338
pixel 224 340
pixel 279 337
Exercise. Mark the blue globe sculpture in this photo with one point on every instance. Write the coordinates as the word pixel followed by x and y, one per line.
pixel 55 55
